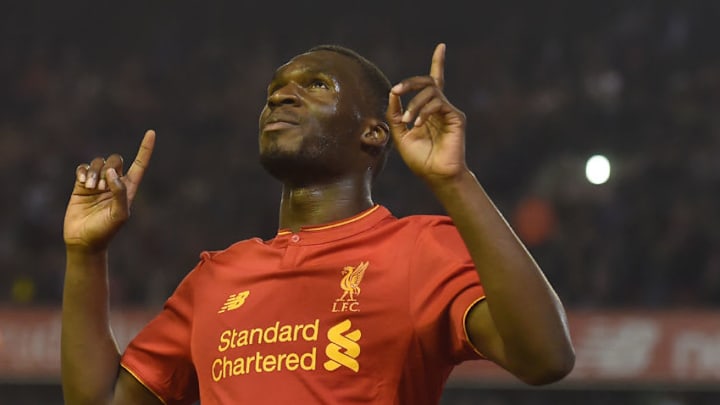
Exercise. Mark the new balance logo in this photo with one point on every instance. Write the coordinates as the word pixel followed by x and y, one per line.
pixel 234 301
pixel 343 349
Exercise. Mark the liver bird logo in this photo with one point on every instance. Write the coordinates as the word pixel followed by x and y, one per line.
pixel 350 283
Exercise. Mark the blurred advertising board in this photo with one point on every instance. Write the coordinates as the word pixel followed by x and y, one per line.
pixel 30 341
pixel 621 348
pixel 626 349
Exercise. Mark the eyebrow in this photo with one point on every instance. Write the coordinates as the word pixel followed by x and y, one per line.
pixel 304 70
pixel 298 71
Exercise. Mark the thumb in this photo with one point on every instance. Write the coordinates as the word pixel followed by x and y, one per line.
pixel 394 116
pixel 119 209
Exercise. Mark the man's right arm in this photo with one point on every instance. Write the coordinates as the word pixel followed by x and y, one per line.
pixel 91 372
pixel 90 359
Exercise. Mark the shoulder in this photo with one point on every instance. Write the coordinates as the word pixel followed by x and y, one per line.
pixel 426 219
pixel 214 264
pixel 418 231
pixel 434 233
pixel 426 223
pixel 233 252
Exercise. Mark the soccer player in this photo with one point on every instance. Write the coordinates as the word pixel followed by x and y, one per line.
pixel 347 304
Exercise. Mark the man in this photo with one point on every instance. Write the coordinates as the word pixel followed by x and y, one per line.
pixel 347 304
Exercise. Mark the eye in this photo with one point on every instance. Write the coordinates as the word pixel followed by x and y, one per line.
pixel 319 84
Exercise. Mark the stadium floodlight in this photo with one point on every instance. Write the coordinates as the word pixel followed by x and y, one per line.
pixel 597 169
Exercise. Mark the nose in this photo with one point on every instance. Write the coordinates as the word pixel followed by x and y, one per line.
pixel 283 96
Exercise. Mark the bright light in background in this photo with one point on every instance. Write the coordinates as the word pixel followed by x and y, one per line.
pixel 597 169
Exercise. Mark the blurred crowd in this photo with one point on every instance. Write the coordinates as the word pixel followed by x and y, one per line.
pixel 544 87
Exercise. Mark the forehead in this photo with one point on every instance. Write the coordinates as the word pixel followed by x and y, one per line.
pixel 322 61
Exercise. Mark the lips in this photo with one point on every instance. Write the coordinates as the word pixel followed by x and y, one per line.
pixel 276 122
pixel 276 125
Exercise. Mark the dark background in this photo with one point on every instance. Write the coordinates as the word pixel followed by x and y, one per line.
pixel 544 85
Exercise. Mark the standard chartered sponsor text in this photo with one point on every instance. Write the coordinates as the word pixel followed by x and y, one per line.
pixel 258 362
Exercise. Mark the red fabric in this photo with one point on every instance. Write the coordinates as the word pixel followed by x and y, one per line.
pixel 367 310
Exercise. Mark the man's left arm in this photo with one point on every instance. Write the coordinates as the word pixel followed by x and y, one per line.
pixel 521 324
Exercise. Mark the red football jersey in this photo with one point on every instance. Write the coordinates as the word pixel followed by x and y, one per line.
pixel 366 310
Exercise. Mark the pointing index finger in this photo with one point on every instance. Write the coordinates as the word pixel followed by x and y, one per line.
pixel 136 171
pixel 437 67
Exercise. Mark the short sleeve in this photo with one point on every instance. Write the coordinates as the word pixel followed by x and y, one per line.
pixel 159 356
pixel 444 285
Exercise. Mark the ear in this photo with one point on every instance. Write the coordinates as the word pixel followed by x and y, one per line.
pixel 376 134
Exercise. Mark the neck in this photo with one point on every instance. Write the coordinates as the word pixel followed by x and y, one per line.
pixel 320 204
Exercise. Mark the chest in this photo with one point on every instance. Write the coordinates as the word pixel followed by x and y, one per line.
pixel 310 315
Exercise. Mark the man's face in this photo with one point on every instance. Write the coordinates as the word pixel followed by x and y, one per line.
pixel 311 122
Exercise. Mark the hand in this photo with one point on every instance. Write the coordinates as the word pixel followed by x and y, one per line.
pixel 434 147
pixel 101 198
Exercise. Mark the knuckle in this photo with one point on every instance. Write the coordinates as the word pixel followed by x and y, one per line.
pixel 114 159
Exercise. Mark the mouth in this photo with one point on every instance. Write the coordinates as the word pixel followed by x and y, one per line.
pixel 279 120
pixel 278 125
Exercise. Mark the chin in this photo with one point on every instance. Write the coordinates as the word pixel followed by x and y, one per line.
pixel 298 169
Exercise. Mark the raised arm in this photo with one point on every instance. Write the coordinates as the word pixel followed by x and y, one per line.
pixel 99 205
pixel 521 324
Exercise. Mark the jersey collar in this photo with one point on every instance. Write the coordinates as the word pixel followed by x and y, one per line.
pixel 334 230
